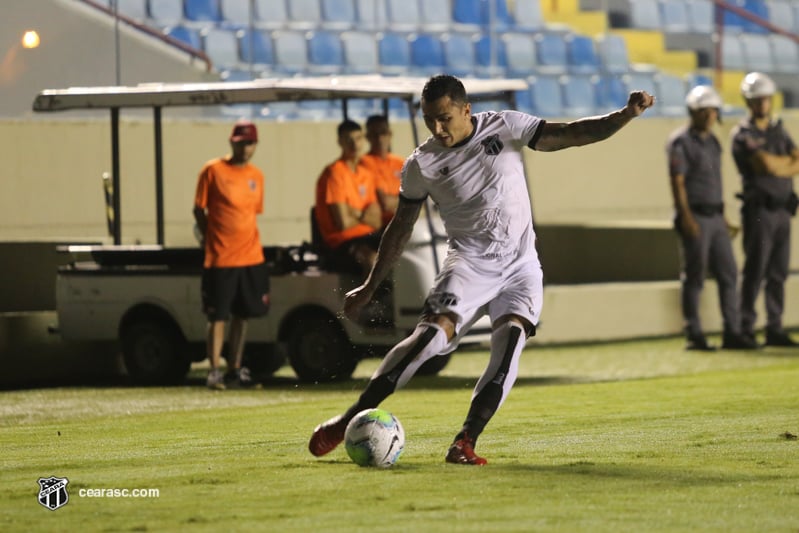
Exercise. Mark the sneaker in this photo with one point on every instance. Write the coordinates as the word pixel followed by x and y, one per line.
pixel 327 435
pixel 737 341
pixel 779 338
pixel 462 452
pixel 240 378
pixel 700 344
pixel 215 380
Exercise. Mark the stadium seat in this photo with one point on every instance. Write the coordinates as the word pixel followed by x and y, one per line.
pixel 785 53
pixel 467 12
pixel 491 56
pixel 222 46
pixel 582 56
pixel 645 15
pixel 485 13
pixel 394 52
pixel 671 91
pixel 732 54
pixel 546 98
pixel 674 16
pixel 524 101
pixel 372 16
pixel 134 9
pixel 612 51
pixel 757 52
pixel 435 15
pixel 579 96
pixel 236 12
pixel 271 14
pixel 325 53
pixel 202 11
pixel 256 48
pixel 291 52
pixel 338 14
pixel 360 52
pixel 551 52
pixel 780 13
pixel 427 55
pixel 403 15
pixel 304 14
pixel 642 81
pixel 188 36
pixel 459 54
pixel 527 16
pixel 611 94
pixel 759 9
pixel 166 12
pixel 520 54
pixel 697 78
pixel 701 14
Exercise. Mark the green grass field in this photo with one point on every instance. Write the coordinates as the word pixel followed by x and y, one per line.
pixel 637 436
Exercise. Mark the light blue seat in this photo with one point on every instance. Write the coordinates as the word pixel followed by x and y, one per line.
pixel 325 53
pixel 520 54
pixel 338 14
pixel 222 46
pixel 528 16
pixel 166 12
pixel 394 52
pixel 785 53
pixel 757 52
pixel 271 14
pixel 732 53
pixel 360 52
pixel 188 36
pixel 611 93
pixel 579 96
pixel 674 16
pixel 435 15
pixel 256 48
pixel 551 52
pixel 491 57
pixel 485 13
pixel 780 13
pixel 403 15
pixel 291 52
pixel 427 54
pixel 582 55
pixel 546 98
pixel 701 14
pixel 202 11
pixel 237 12
pixel 613 54
pixel 304 14
pixel 671 91
pixel 135 9
pixel 459 54
pixel 645 15
pixel 371 15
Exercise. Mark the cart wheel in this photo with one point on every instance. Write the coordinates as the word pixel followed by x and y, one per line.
pixel 319 350
pixel 154 353
pixel 433 366
pixel 264 359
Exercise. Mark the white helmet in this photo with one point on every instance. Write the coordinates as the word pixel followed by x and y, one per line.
pixel 703 96
pixel 757 85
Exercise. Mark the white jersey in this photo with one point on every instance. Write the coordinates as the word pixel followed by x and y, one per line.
pixel 479 185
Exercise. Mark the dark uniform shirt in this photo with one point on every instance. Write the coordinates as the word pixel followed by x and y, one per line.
pixel 698 159
pixel 774 140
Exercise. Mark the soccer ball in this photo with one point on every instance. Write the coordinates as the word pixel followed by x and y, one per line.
pixel 374 438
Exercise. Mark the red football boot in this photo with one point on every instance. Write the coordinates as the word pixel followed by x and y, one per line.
pixel 462 452
pixel 327 436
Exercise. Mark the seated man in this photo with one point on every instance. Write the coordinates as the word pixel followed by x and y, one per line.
pixel 347 210
pixel 386 166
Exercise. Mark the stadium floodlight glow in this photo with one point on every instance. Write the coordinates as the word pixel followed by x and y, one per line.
pixel 30 39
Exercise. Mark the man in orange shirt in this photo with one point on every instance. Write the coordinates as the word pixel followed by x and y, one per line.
pixel 235 281
pixel 386 166
pixel 347 209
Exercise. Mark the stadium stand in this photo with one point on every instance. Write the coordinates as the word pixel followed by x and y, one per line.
pixel 256 48
pixel 271 14
pixel 403 15
pixel 371 15
pixel 394 52
pixel 166 12
pixel 546 97
pixel 360 52
pixel 491 56
pixel 222 46
pixel 325 53
pixel 579 95
pixel 187 35
pixel 459 54
pixel 291 52
pixel 427 55
pixel 582 54
pixel 199 12
pixel 338 15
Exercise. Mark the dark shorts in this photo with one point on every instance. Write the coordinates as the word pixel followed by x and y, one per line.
pixel 240 291
pixel 342 259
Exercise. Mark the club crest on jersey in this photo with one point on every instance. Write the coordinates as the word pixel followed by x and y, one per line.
pixel 53 492
pixel 492 145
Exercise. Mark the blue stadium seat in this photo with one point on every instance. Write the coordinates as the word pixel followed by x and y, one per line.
pixel 427 54
pixel 579 96
pixel 338 14
pixel 757 52
pixel 612 51
pixel 236 12
pixel 372 16
pixel 780 13
pixel 697 78
pixel 524 101
pixel 491 56
pixel 786 54
pixel 459 54
pixel 611 94
pixel 674 16
pixel 467 12
pixel 759 9
pixel 545 96
pixel 482 13
pixel 271 14
pixel 435 15
pixel 582 55
pixel 645 15
pixel 394 52
pixel 222 46
pixel 360 52
pixel 304 14
pixel 671 91
pixel 187 35
pixel 202 11
pixel 520 53
pixel 551 52
pixel 732 53
pixel 701 13
pixel 528 16
pixel 256 48
pixel 291 52
pixel 325 53
pixel 403 15
pixel 166 12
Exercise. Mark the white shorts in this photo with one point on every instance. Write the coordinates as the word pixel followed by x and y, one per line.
pixel 471 288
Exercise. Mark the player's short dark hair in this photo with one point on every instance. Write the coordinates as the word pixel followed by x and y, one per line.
pixel 347 126
pixel 444 85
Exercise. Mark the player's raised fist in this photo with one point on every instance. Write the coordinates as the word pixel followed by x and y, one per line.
pixel 639 101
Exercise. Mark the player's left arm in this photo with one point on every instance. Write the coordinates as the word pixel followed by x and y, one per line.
pixel 560 135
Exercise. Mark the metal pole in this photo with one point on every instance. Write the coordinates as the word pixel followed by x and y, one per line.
pixel 115 174
pixel 159 176
pixel 116 43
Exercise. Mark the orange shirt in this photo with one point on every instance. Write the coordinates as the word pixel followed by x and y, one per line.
pixel 232 196
pixel 338 184
pixel 388 172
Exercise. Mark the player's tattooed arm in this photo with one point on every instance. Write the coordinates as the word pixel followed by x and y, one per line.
pixel 394 240
pixel 560 135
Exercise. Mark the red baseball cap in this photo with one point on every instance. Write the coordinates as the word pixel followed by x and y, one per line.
pixel 244 130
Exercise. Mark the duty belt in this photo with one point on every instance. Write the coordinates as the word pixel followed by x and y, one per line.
pixel 707 210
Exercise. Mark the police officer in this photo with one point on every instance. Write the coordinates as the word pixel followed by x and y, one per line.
pixel 766 157
pixel 694 155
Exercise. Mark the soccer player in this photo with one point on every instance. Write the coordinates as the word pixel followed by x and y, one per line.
pixel 472 169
